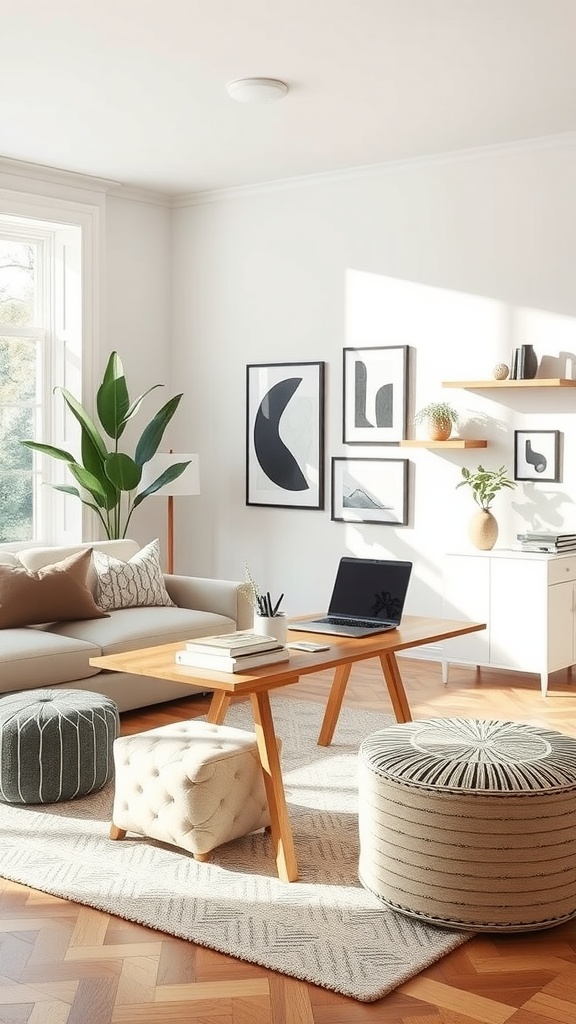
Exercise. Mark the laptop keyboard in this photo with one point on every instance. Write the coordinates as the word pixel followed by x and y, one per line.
pixel 363 623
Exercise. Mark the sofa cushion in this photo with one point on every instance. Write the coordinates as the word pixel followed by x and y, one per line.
pixel 136 583
pixel 36 657
pixel 37 558
pixel 56 592
pixel 131 628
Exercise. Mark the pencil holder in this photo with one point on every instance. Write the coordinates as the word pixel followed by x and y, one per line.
pixel 272 625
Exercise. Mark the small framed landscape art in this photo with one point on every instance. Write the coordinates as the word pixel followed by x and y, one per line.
pixel 537 455
pixel 370 491
pixel 285 435
pixel 375 395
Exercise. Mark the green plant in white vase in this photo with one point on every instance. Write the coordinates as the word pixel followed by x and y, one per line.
pixel 108 480
pixel 485 484
pixel 440 418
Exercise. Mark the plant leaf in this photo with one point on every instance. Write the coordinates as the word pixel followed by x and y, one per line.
pixel 122 471
pixel 138 402
pixel 89 429
pixel 170 473
pixel 152 434
pixel 90 483
pixel 113 402
pixel 48 449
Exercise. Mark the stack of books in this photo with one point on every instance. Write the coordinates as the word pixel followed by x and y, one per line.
pixel 547 541
pixel 232 652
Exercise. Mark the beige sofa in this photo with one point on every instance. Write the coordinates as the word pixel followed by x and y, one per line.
pixel 58 653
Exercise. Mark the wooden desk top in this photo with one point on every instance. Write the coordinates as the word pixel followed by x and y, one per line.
pixel 414 631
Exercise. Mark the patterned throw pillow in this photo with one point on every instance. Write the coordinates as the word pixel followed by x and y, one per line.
pixel 133 584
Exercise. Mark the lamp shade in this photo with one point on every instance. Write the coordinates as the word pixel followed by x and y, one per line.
pixel 187 483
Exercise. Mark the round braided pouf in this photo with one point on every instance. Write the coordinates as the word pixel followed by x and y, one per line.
pixel 470 824
pixel 55 744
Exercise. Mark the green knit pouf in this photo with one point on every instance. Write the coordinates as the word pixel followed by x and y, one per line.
pixel 55 744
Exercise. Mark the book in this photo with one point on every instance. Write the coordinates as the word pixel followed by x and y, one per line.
pixel 546 538
pixel 546 547
pixel 232 644
pixel 222 663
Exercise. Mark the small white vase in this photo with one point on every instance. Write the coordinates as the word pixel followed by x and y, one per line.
pixel 272 625
pixel 483 530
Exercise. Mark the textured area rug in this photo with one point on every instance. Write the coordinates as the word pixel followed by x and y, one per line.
pixel 324 929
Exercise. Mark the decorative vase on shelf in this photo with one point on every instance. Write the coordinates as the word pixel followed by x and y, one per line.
pixel 483 530
pixel 527 363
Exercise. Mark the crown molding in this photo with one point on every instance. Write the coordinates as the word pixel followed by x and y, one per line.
pixel 546 142
pixel 141 195
pixel 55 175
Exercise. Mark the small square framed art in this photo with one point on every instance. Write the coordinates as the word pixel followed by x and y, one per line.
pixel 285 435
pixel 375 395
pixel 370 491
pixel 537 455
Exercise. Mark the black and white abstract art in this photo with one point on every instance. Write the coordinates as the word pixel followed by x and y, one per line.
pixel 375 395
pixel 285 435
pixel 370 491
pixel 537 455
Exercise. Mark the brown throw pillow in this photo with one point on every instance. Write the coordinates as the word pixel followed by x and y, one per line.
pixel 55 593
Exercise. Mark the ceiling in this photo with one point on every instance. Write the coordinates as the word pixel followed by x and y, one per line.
pixel 134 90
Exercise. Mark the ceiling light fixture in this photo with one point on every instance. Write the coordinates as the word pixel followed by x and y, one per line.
pixel 256 90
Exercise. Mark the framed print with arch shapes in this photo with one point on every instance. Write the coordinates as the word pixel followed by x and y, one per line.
pixel 537 455
pixel 285 435
pixel 375 395
pixel 370 491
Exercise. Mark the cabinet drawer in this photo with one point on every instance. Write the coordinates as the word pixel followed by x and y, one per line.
pixel 561 570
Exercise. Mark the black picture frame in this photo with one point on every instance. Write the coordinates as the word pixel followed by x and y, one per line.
pixel 370 491
pixel 537 455
pixel 285 435
pixel 375 395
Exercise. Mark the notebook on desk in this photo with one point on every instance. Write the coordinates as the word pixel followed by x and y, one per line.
pixel 368 597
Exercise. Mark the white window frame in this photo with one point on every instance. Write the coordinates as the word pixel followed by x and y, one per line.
pixel 70 363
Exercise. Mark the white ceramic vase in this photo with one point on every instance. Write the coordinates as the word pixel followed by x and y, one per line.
pixel 272 625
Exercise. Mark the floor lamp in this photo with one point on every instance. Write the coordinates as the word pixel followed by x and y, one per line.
pixel 186 484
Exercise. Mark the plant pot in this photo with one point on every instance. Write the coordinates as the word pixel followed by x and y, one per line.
pixel 272 625
pixel 439 430
pixel 483 530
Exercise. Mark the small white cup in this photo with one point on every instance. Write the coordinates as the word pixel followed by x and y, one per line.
pixel 272 625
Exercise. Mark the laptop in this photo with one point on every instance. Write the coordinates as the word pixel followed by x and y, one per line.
pixel 368 597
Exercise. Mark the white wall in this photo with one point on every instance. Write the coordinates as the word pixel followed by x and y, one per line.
pixel 462 260
pixel 137 323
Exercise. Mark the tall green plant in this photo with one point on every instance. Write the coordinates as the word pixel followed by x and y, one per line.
pixel 109 479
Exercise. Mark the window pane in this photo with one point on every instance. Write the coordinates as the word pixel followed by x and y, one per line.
pixel 16 477
pixel 18 381
pixel 18 262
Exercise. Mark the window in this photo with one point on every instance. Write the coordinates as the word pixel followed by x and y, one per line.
pixel 40 347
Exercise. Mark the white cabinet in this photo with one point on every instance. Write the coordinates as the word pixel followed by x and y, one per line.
pixel 528 601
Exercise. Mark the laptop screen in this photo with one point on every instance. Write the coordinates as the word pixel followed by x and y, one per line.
pixel 367 588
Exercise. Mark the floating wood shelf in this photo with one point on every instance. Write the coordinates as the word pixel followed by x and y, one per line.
pixel 454 442
pixel 536 382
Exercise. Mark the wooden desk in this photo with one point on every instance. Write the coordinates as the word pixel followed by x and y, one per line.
pixel 415 631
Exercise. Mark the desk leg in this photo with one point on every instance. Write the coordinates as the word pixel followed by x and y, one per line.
pixel 279 821
pixel 218 707
pixel 334 703
pixel 395 686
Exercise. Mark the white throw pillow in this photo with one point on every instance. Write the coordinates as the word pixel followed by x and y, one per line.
pixel 133 584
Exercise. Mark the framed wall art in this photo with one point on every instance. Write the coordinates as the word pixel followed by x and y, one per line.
pixel 370 491
pixel 285 435
pixel 375 395
pixel 537 455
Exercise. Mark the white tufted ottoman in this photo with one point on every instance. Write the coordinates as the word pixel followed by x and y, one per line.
pixel 470 824
pixel 190 784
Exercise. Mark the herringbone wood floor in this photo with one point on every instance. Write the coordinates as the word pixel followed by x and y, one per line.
pixel 61 963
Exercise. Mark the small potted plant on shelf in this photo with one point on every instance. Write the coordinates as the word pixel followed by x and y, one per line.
pixel 440 418
pixel 485 485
